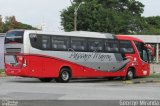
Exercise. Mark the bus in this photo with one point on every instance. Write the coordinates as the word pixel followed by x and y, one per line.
pixel 79 54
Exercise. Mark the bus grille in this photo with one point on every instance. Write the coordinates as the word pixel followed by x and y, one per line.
pixel 13 50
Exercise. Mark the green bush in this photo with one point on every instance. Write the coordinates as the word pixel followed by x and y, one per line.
pixel 1 70
pixel 154 75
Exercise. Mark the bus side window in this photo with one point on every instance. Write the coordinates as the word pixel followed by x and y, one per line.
pixel 46 42
pixel 111 45
pixel 95 45
pixel 36 41
pixel 60 43
pixel 79 44
pixel 126 46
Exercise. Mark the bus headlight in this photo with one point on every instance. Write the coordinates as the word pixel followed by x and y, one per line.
pixel 144 72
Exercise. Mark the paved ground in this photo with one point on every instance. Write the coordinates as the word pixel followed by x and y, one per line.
pixel 89 89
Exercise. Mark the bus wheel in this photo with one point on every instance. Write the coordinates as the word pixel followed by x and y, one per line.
pixel 64 76
pixel 45 79
pixel 130 74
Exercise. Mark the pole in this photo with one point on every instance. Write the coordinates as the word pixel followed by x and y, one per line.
pixel 75 16
pixel 157 53
pixel 75 21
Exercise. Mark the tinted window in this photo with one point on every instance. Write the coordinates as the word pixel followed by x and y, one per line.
pixel 140 47
pixel 14 36
pixel 36 41
pixel 126 47
pixel 145 56
pixel 79 44
pixel 46 41
pixel 95 45
pixel 111 45
pixel 60 43
pixel 40 41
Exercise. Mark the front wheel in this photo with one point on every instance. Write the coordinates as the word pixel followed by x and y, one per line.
pixel 64 76
pixel 130 74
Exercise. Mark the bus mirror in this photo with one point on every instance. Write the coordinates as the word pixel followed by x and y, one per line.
pixel 146 61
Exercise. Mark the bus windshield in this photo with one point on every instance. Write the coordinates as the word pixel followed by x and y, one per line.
pixel 143 51
pixel 14 36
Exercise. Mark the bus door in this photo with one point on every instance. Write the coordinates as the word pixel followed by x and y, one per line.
pixel 144 58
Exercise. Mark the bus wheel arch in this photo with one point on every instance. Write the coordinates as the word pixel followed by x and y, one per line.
pixel 131 73
pixel 65 74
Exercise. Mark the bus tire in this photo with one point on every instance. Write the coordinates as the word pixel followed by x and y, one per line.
pixel 64 75
pixel 45 79
pixel 130 74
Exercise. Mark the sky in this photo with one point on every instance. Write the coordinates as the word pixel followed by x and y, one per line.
pixel 35 12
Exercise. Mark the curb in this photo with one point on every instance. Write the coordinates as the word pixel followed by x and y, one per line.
pixel 141 82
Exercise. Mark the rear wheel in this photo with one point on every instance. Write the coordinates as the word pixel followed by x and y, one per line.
pixel 64 76
pixel 45 79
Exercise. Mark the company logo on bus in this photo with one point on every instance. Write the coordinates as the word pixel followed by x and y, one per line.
pixel 87 56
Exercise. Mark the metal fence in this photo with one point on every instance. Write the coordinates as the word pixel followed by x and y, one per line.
pixel 155 68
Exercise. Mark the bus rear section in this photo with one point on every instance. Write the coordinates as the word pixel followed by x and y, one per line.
pixel 15 60
pixel 18 60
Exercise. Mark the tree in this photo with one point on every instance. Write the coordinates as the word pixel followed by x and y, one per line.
pixel 153 25
pixel 132 6
pixel 1 24
pixel 11 23
pixel 113 16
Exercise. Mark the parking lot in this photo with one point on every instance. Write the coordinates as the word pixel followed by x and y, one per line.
pixel 18 88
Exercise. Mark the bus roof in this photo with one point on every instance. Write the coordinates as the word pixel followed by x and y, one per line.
pixel 127 37
pixel 75 33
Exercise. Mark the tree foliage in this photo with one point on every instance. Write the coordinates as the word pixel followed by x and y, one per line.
pixel 153 25
pixel 112 16
pixel 12 23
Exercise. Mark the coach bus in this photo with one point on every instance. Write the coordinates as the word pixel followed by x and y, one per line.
pixel 66 55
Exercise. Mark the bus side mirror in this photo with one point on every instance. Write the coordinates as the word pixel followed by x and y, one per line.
pixel 147 61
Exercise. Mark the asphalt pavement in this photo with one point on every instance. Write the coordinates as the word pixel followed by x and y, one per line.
pixel 18 91
pixel 18 88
